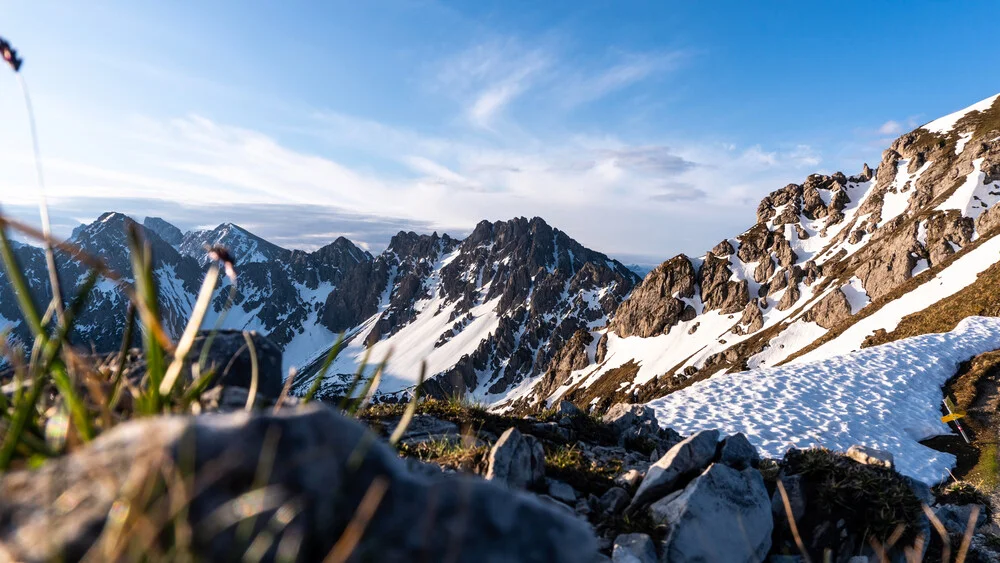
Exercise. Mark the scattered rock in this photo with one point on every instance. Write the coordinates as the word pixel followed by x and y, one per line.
pixel 955 517
pixel 426 428
pixel 870 456
pixel 517 460
pixel 630 479
pixel 723 515
pixel 738 452
pixel 687 457
pixel 419 518
pixel 633 548
pixel 614 500
pixel 562 492
pixel 626 417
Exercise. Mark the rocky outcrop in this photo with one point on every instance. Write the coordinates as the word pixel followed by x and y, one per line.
pixel 830 310
pixel 718 292
pixel 658 302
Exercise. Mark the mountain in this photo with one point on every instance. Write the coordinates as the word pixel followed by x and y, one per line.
pixel 519 314
pixel 832 265
pixel 487 312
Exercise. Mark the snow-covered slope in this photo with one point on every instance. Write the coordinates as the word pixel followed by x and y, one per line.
pixel 830 264
pixel 887 397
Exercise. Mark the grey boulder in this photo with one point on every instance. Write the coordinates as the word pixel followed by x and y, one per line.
pixel 622 416
pixel 956 517
pixel 687 457
pixel 229 355
pixel 633 548
pixel 724 516
pixel 517 460
pixel 567 408
pixel 738 452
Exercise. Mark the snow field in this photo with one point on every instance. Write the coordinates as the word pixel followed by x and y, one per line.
pixel 886 397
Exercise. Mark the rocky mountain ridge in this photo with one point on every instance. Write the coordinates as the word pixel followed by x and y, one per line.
pixel 494 306
pixel 823 256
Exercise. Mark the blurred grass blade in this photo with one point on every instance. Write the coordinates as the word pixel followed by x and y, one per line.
pixel 77 408
pixel 148 306
pixel 191 330
pixel 358 375
pixel 16 278
pixel 411 408
pixel 43 205
pixel 285 389
pixel 321 374
pixel 254 375
pixel 371 386
pixel 116 382
pixel 197 387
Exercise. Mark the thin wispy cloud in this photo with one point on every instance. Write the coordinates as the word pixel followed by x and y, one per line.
pixel 490 77
pixel 630 69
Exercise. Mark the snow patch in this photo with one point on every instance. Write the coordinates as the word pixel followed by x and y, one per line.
pixel 973 197
pixel 886 397
pixel 856 294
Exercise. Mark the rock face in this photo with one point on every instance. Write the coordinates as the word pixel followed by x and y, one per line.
pixel 723 515
pixel 516 460
pixel 658 303
pixel 418 517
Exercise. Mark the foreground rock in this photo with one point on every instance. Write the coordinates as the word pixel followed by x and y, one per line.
pixel 517 460
pixel 685 459
pixel 321 467
pixel 633 548
pixel 723 515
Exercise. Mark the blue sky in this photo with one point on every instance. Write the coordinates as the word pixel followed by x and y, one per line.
pixel 642 129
